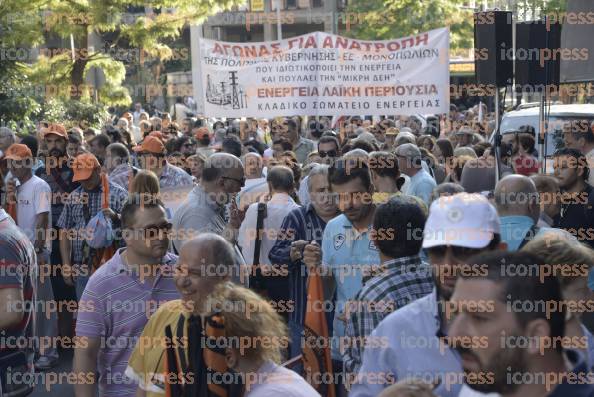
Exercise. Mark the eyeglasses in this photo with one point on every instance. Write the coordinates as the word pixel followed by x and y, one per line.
pixel 329 153
pixel 240 181
pixel 457 252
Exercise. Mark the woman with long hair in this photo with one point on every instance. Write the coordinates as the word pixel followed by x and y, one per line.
pixel 255 337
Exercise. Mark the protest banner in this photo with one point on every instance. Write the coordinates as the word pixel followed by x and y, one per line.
pixel 325 74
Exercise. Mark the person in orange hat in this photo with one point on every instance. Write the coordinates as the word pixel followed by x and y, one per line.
pixel 55 138
pixel 158 134
pixel 83 204
pixel 33 205
pixel 57 173
pixel 151 156
pixel 202 135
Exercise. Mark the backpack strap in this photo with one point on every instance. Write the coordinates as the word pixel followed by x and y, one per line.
pixel 530 234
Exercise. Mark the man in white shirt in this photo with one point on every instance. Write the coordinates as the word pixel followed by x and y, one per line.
pixel 281 185
pixel 580 136
pixel 137 111
pixel 255 180
pixel 33 204
pixel 179 111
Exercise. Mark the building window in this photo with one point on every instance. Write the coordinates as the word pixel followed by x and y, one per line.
pixel 317 3
pixel 291 4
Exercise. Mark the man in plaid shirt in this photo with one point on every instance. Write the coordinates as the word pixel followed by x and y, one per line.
pixel 83 204
pixel 402 278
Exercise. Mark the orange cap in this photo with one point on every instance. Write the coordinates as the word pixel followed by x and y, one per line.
pixel 158 134
pixel 151 144
pixel 83 166
pixel 201 133
pixel 56 129
pixel 18 151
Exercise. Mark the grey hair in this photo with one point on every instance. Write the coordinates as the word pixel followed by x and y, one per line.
pixel 8 131
pixel 360 130
pixel 465 151
pixel 404 137
pixel 318 169
pixel 356 153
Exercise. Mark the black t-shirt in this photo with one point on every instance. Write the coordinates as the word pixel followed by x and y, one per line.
pixel 60 181
pixel 577 217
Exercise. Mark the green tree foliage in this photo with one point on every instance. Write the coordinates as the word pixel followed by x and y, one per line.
pixel 141 28
pixel 389 19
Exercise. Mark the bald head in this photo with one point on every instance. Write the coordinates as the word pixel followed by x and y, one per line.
pixel 517 195
pixel 204 262
pixel 280 179
pixel 208 248
pixel 218 163
pixel 223 173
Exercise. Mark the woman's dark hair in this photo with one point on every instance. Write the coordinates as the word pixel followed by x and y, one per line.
pixel 423 138
pixel 286 145
pixel 446 148
pixel 428 158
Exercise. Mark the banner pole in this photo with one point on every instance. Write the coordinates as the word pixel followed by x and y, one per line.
pixel 197 88
pixel 279 25
pixel 497 138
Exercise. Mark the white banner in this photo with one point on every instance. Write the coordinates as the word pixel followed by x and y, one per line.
pixel 326 75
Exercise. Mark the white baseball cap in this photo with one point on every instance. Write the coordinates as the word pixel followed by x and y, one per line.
pixel 462 220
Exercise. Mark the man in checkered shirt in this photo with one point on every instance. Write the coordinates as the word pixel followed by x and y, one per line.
pixel 402 278
pixel 83 204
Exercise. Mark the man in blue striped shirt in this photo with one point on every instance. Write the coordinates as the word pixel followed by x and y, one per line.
pixel 301 226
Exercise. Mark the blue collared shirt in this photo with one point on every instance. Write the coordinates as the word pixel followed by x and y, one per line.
pixel 346 252
pixel 406 345
pixel 421 185
pixel 514 228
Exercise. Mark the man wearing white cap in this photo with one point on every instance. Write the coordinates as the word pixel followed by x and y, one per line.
pixel 412 341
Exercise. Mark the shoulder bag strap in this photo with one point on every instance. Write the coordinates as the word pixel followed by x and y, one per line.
pixel 258 281
pixel 530 234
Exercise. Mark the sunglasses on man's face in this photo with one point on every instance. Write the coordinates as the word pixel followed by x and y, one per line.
pixel 330 153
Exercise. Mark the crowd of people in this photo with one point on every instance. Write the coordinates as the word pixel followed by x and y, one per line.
pixel 174 254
